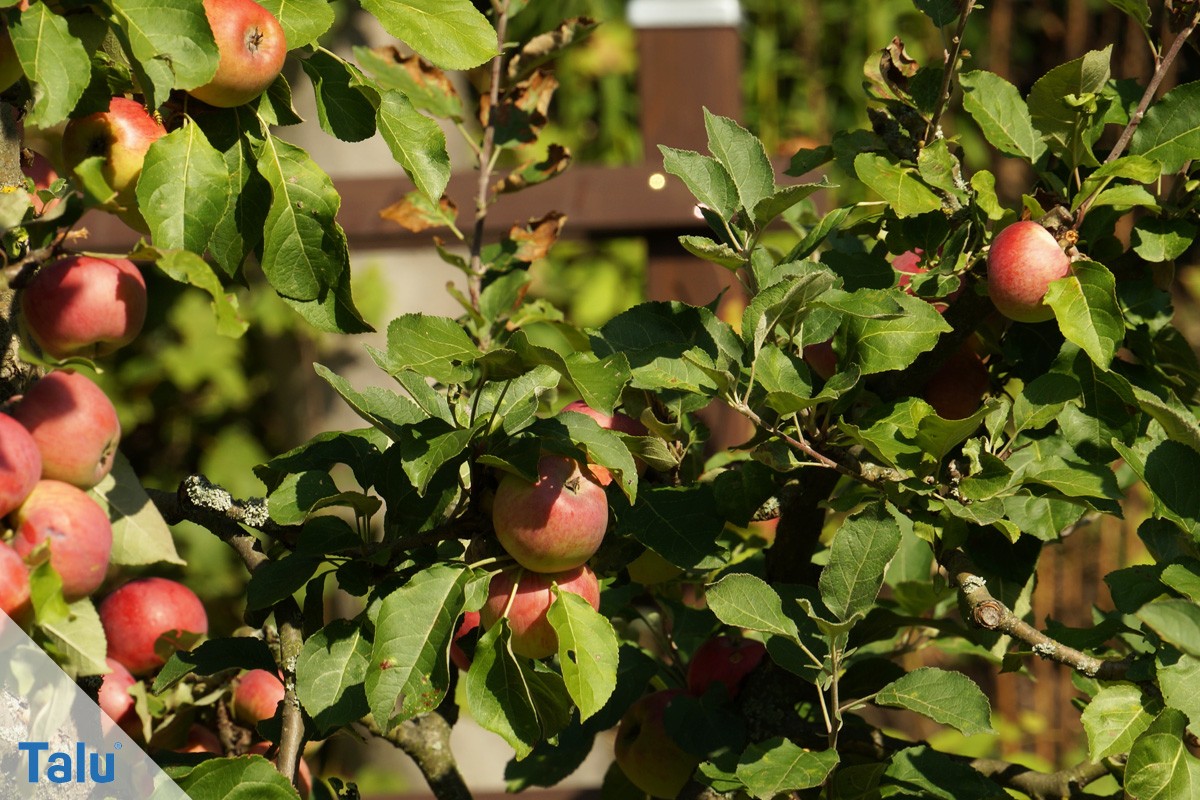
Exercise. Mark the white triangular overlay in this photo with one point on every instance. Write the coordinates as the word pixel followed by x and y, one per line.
pixel 55 742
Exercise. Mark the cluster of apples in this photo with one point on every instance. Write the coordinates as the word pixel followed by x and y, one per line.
pixel 645 751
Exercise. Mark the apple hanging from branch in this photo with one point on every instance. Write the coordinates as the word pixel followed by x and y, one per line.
pixel 252 49
pixel 1023 261
pixel 85 306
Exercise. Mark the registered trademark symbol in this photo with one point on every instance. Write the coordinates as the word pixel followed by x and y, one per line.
pixel 118 746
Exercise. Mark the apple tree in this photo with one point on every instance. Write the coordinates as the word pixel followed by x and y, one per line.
pixel 940 384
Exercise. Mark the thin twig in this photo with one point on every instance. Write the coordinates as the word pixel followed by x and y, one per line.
pixel 948 76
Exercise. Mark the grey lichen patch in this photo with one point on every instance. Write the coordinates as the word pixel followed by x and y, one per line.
pixel 974 583
pixel 1045 649
pixel 204 494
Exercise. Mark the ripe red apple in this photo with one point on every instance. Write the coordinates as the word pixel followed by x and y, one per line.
pixel 723 659
pixel 621 423
pixel 647 755
pixel 75 427
pixel 10 67
pixel 77 530
pixel 115 700
pixel 532 633
pixel 908 264
pixel 256 696
pixel 252 48
pixel 201 740
pixel 20 464
pixel 39 169
pixel 141 611
pixel 457 654
pixel 555 524
pixel 121 135
pixel 84 306
pixel 821 359
pixel 1023 261
pixel 956 390
pixel 304 784
pixel 14 583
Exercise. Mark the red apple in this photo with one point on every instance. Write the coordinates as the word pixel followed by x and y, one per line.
pixel 821 359
pixel 14 583
pixel 726 660
pixel 10 67
pixel 647 755
pixel 621 423
pixel 555 524
pixel 956 390
pixel 457 654
pixel 252 48
pixel 121 135
pixel 115 700
pixel 137 614
pixel 75 427
pixel 1023 261
pixel 304 784
pixel 202 740
pixel 39 169
pixel 84 306
pixel 256 696
pixel 908 264
pixel 77 530
pixel 532 633
pixel 20 464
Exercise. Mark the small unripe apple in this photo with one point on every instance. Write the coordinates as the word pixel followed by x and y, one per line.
pixel 115 700
pixel 532 633
pixel 956 390
pixel 75 427
pixel 647 754
pixel 726 660
pixel 303 773
pixel 39 169
pixel 77 530
pixel 14 583
pixel 252 48
pixel 202 740
pixel 457 654
pixel 256 696
pixel 555 524
pixel 84 306
pixel 1023 261
pixel 138 613
pixel 121 136
pixel 20 464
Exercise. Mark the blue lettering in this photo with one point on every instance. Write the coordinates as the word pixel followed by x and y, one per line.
pixel 33 749
pixel 109 772
pixel 58 768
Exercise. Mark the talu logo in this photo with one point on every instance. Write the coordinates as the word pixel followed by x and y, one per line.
pixel 80 767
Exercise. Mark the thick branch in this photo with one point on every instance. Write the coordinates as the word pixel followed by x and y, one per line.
pixel 426 740
pixel 798 534
pixel 989 613
pixel 291 642
pixel 1041 785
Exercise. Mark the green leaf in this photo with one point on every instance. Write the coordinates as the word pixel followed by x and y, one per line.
pixel 771 207
pixel 416 141
pixel 881 345
pixel 333 310
pixel 1160 767
pixel 587 651
pixel 213 656
pixel 746 601
pixel 1176 621
pixel 427 446
pixel 1138 9
pixel 236 778
pixel 1001 114
pixel 1170 131
pixel 409 669
pixel 424 84
pixel 743 157
pixel 900 186
pixel 77 640
pixel 234 131
pixel 342 109
pixel 950 698
pixel 1040 402
pixel 331 672
pixel 942 12
pixel 777 766
pixel 1178 683
pixel 1134 168
pixel 706 178
pixel 1167 469
pixel 720 254
pixel 1070 131
pixel 1085 304
pixel 303 21
pixel 509 697
pixel 386 410
pixel 435 347
pixel 189 268
pixel 304 249
pixel 183 189
pixel 140 535
pixel 450 33
pixel 298 495
pixel 928 774
pixel 599 381
pixel 1116 716
pixel 172 41
pixel 1160 240
pixel 785 305
pixel 1177 421
pixel 54 60
pixel 1184 579
pixel 861 550
pixel 680 523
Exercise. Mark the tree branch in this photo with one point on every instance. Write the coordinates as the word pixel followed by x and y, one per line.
pixel 426 740
pixel 989 613
pixel 1041 785
pixel 951 64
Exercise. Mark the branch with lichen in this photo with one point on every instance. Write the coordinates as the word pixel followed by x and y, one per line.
pixel 985 611
pixel 426 740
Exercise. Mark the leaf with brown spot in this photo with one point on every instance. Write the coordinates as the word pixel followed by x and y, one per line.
pixel 558 158
pixel 541 47
pixel 521 114
pixel 535 239
pixel 423 83
pixel 415 212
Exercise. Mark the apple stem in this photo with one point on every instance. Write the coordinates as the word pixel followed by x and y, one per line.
pixel 512 595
